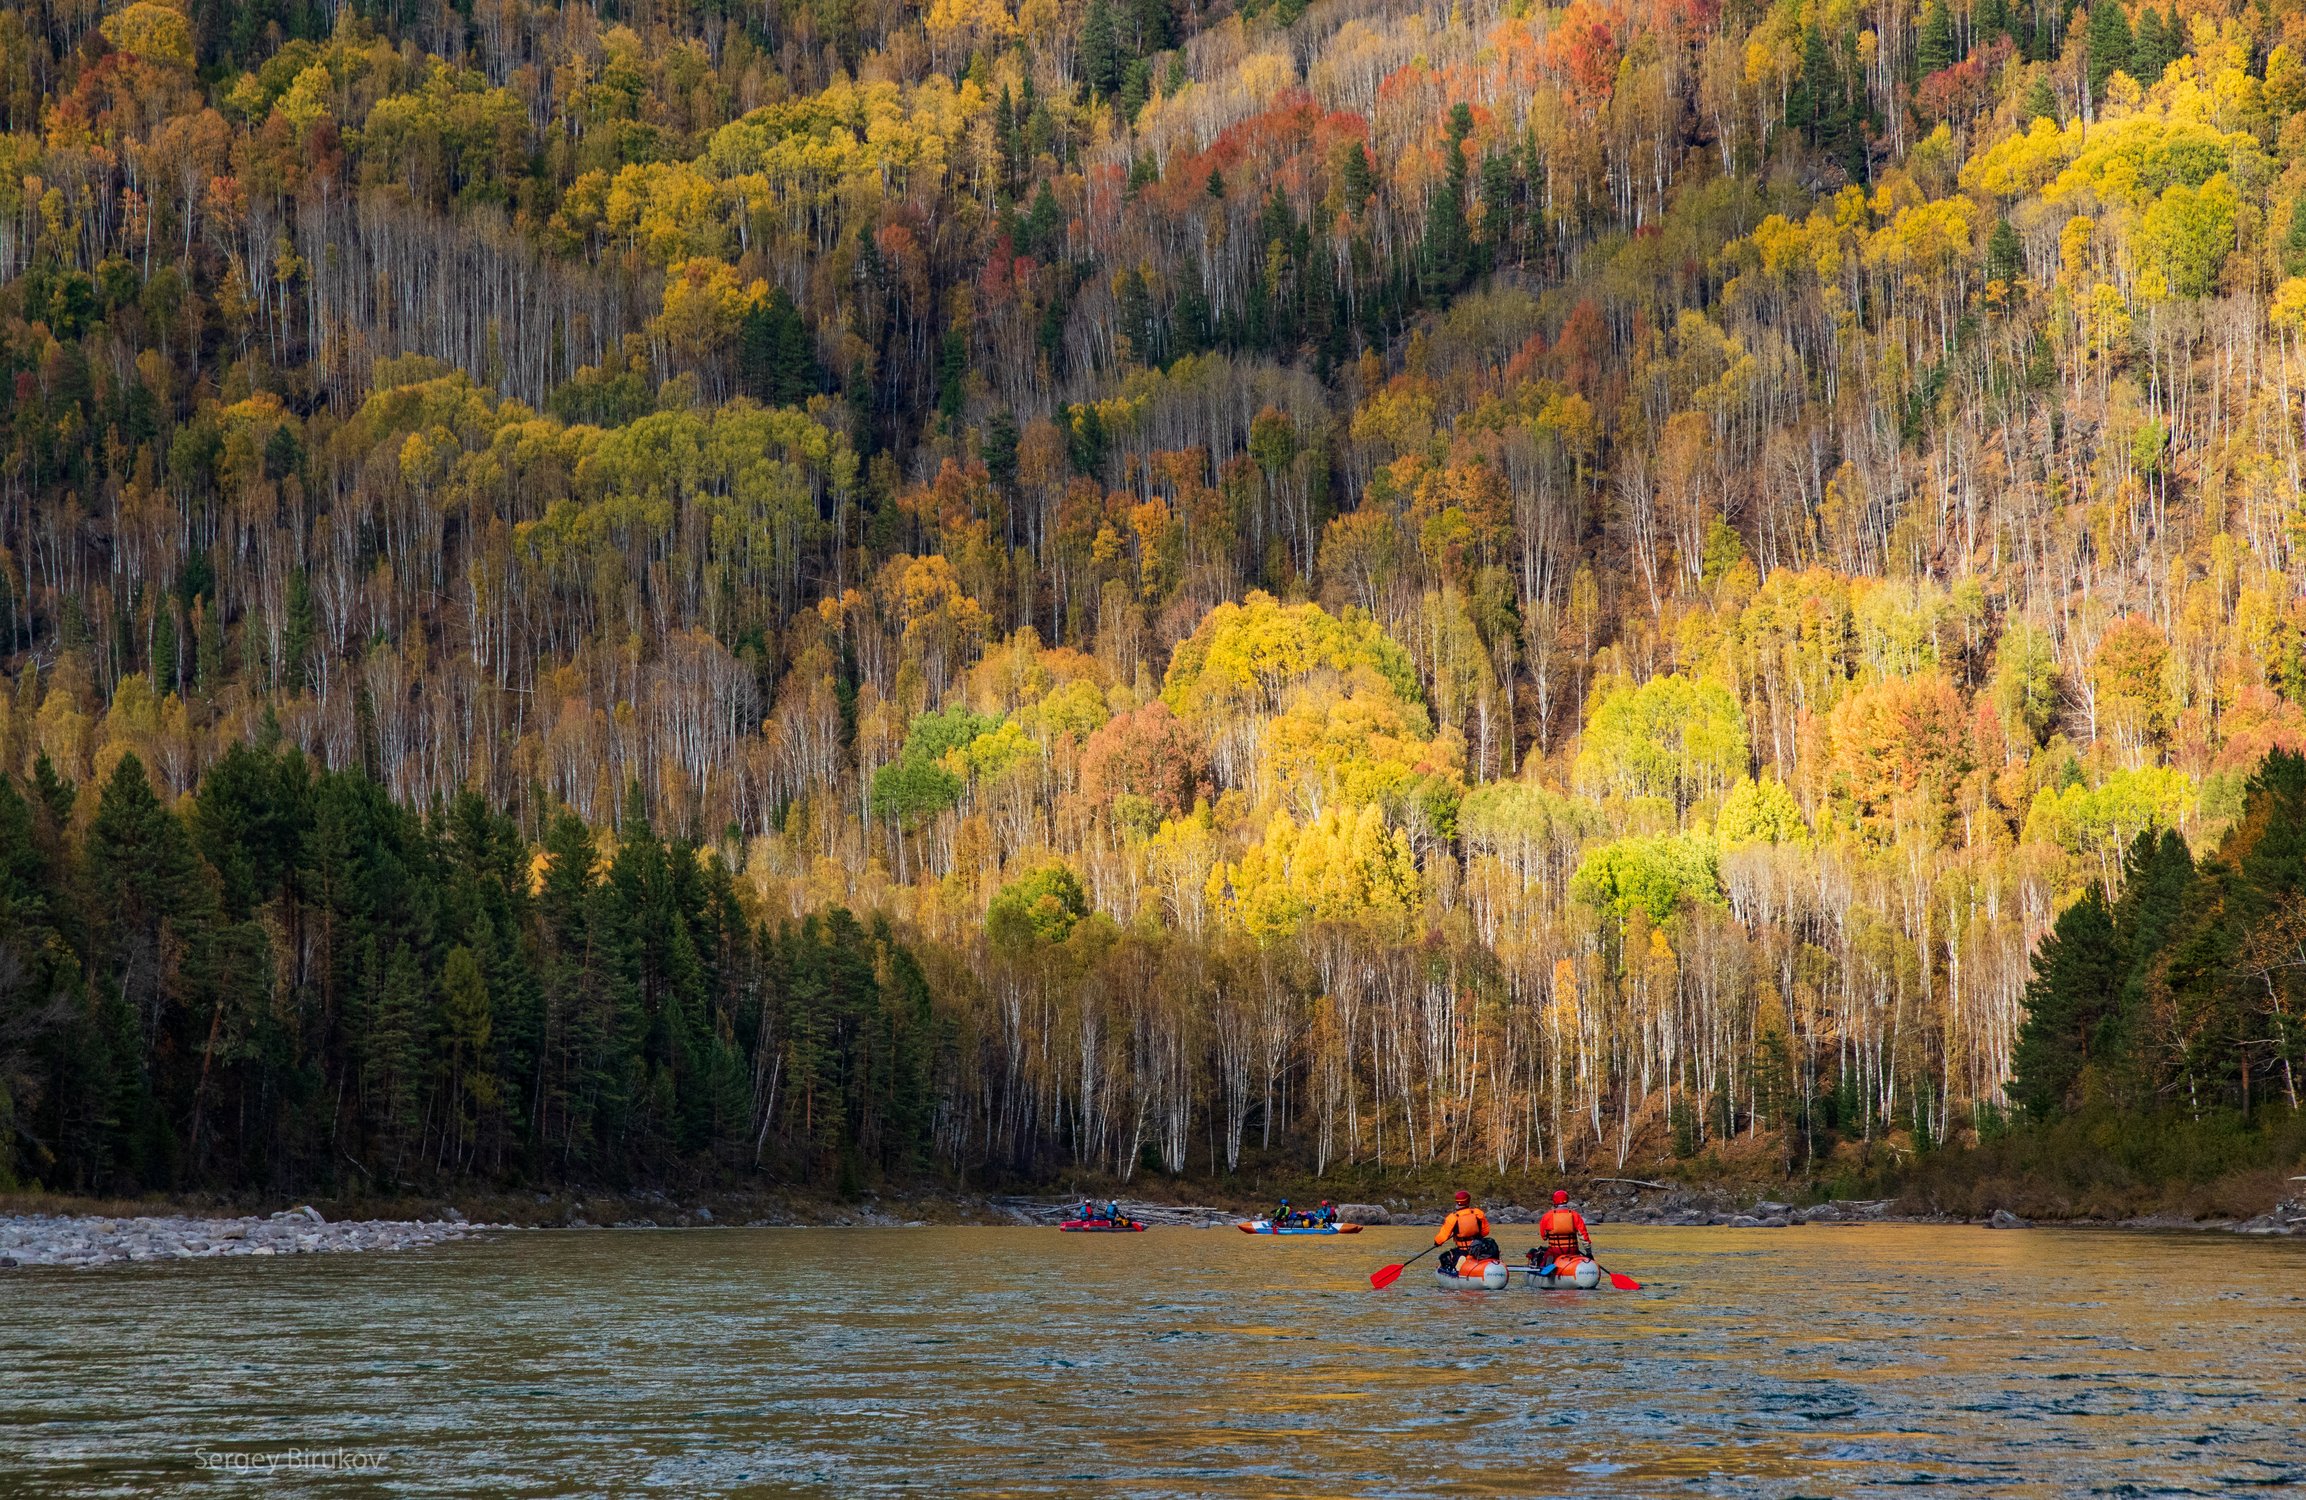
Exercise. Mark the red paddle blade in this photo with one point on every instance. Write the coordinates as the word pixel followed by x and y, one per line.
pixel 1383 1277
pixel 1624 1283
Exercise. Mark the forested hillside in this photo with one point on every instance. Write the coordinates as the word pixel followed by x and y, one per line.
pixel 1338 585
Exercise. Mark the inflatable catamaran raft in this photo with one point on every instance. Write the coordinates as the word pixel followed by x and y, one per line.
pixel 1474 1272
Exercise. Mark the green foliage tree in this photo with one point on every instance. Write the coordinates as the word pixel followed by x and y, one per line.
pixel 1043 906
pixel 1102 57
pixel 2005 256
pixel 1670 737
pixel 1760 812
pixel 776 358
pixel 1934 46
pixel 2025 686
pixel 1655 876
pixel 2154 45
pixel 2070 1002
pixel 1446 257
pixel 2109 44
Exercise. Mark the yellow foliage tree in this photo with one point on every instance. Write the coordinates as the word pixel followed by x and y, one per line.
pixel 1345 865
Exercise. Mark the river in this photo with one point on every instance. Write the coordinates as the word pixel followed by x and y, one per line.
pixel 1818 1361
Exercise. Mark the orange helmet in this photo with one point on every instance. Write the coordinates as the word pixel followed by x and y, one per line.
pixel 1560 1195
pixel 1463 1196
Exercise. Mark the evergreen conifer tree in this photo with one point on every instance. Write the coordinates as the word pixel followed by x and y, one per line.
pixel 776 359
pixel 2076 972
pixel 1934 47
pixel 2109 44
pixel 1445 254
pixel 1102 58
pixel 2005 256
pixel 2040 102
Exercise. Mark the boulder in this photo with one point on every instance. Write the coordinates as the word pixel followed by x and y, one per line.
pixel 1364 1213
pixel 2004 1219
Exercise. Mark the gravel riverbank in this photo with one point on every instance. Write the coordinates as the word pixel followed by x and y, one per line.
pixel 86 1240
pixel 40 1238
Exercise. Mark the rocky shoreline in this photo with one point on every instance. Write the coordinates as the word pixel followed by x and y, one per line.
pixel 1678 1213
pixel 87 1240
pixel 47 1239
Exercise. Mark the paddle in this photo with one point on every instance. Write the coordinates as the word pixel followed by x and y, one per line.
pixel 1385 1276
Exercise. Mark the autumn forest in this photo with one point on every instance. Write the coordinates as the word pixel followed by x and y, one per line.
pixel 826 591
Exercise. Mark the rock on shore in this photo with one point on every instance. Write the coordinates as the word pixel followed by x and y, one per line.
pixel 62 1240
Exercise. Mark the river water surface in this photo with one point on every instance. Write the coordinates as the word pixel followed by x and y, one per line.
pixel 1821 1361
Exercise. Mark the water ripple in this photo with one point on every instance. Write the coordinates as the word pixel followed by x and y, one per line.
pixel 1801 1362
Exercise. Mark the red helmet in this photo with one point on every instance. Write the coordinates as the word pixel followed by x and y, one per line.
pixel 1560 1195
pixel 1463 1196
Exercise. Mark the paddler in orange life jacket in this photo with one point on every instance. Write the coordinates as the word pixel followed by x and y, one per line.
pixel 1468 1226
pixel 1563 1230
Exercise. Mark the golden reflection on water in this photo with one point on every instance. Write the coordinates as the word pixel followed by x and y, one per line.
pixel 1836 1361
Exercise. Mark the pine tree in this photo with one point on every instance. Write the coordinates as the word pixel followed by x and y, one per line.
pixel 144 881
pixel 1134 313
pixel 574 1036
pixel 2154 45
pixel 1042 234
pixel 2109 43
pixel 2005 255
pixel 1136 88
pixel 1934 48
pixel 1445 254
pixel 997 448
pixel 952 374
pixel 1008 141
pixel 1360 178
pixel 468 1029
pixel 34 1018
pixel 208 654
pixel 2040 103
pixel 776 358
pixel 1155 24
pixel 251 820
pixel 297 635
pixel 2294 238
pixel 1497 226
pixel 1101 55
pixel 167 676
pixel 393 1059
pixel 2273 864
pixel 54 793
pixel 2076 972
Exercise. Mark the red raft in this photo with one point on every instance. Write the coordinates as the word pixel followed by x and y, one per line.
pixel 1101 1226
